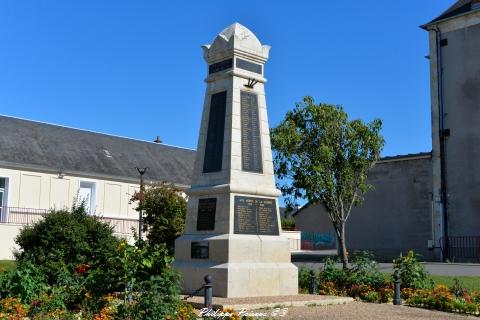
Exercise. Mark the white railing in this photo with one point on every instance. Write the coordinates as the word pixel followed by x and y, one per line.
pixel 27 216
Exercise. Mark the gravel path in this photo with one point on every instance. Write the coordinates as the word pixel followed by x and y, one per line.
pixel 367 311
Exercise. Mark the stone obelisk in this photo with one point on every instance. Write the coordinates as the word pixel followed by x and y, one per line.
pixel 232 228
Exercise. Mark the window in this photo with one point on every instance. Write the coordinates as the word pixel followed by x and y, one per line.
pixel 86 194
pixel 3 199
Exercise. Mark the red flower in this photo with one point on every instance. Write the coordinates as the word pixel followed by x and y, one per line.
pixel 82 268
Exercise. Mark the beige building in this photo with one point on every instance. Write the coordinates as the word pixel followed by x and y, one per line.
pixel 429 203
pixel 44 166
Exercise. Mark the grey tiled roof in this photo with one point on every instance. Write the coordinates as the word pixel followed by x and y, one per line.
pixel 31 144
pixel 459 7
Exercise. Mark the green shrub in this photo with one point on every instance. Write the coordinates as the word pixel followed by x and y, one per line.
pixel 412 273
pixel 364 270
pixel 64 240
pixel 26 282
pixel 288 223
pixel 371 296
pixel 164 210
pixel 156 298
pixel 304 278
pixel 331 272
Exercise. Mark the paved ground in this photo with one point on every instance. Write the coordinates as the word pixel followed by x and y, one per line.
pixel 366 311
pixel 252 303
pixel 444 269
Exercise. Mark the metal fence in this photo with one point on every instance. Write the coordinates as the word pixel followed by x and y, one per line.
pixel 27 216
pixel 462 249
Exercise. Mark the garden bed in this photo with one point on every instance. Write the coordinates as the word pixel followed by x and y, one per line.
pixel 364 282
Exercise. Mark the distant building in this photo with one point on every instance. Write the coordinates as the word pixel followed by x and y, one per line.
pixel 44 166
pixel 429 203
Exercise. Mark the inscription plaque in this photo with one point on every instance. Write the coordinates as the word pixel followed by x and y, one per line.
pixel 220 66
pixel 255 216
pixel 249 66
pixel 200 250
pixel 206 214
pixel 212 161
pixel 251 145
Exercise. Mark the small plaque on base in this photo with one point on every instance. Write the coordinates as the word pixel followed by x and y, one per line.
pixel 200 250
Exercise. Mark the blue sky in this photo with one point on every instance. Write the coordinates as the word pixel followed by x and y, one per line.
pixel 135 68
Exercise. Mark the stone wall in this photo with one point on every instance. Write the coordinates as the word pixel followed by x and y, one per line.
pixel 461 77
pixel 396 214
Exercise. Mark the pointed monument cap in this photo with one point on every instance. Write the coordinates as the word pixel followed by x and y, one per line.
pixel 236 39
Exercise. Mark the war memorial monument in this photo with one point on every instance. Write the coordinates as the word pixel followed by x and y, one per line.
pixel 232 228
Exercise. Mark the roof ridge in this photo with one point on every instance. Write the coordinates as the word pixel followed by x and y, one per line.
pixel 95 132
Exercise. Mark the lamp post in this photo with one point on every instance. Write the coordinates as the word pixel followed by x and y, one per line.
pixel 141 195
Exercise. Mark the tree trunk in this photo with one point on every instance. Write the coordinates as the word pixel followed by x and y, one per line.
pixel 342 249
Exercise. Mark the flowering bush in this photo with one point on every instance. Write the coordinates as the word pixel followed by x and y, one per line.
pixel 149 289
pixel 443 298
pixel 364 282
pixel 412 272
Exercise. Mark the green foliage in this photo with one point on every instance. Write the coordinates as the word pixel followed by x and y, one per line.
pixel 412 272
pixel 164 213
pixel 288 223
pixel 365 270
pixel 304 277
pixel 156 298
pixel 25 282
pixel 135 264
pixel 322 156
pixel 363 280
pixel 371 296
pixel 64 240
pixel 72 267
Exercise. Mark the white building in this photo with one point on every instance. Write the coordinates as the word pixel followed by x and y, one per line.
pixel 44 166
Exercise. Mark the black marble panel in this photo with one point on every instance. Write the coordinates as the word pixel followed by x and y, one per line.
pixel 206 214
pixel 200 250
pixel 251 142
pixel 249 66
pixel 212 162
pixel 254 215
pixel 220 66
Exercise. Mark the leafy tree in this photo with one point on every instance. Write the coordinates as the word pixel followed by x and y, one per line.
pixel 164 210
pixel 323 157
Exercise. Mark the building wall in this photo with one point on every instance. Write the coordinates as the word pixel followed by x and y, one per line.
pixel 461 80
pixel 40 190
pixel 395 217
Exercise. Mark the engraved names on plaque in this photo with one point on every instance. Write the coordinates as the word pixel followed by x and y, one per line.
pixel 220 66
pixel 212 162
pixel 255 216
pixel 206 214
pixel 251 145
pixel 249 66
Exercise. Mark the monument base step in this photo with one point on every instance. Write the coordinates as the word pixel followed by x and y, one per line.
pixel 236 280
pixel 256 303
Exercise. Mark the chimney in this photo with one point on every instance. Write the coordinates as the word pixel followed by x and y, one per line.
pixel 157 140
